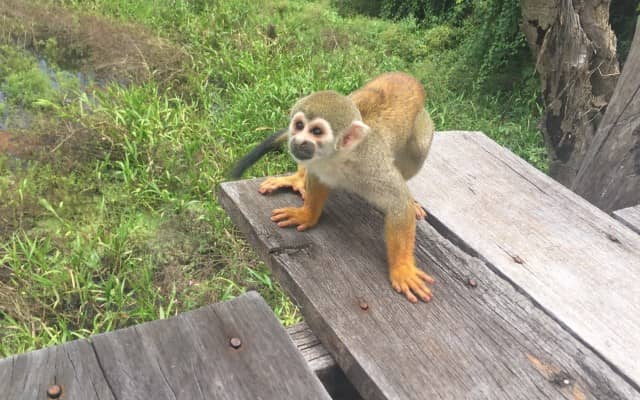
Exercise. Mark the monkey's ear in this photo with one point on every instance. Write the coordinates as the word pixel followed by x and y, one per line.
pixel 352 136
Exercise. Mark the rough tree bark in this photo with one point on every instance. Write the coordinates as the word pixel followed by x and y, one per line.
pixel 575 52
pixel 610 173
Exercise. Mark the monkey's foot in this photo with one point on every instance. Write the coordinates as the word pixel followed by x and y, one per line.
pixel 420 212
pixel 301 217
pixel 295 182
pixel 411 281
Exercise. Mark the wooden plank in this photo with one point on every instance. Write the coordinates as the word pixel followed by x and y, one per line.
pixel 578 263
pixel 322 363
pixel 185 357
pixel 73 366
pixel 629 216
pixel 482 341
pixel 190 357
pixel 314 353
pixel 609 176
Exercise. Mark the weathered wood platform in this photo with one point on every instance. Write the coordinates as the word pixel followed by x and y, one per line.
pixel 497 331
pixel 629 216
pixel 578 263
pixel 189 356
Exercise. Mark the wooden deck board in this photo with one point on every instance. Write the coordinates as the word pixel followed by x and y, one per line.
pixel 487 342
pixel 629 216
pixel 578 263
pixel 322 363
pixel 185 357
pixel 73 365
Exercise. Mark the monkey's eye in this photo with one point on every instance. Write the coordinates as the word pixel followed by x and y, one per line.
pixel 299 125
pixel 316 131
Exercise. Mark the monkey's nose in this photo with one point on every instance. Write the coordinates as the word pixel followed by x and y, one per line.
pixel 302 151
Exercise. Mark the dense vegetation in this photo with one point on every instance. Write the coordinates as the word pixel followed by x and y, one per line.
pixel 108 213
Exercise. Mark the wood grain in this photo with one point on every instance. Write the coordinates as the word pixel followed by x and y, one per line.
pixel 73 365
pixel 484 342
pixel 629 216
pixel 185 357
pixel 575 261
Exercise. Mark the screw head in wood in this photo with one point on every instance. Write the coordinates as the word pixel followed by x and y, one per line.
pixel 54 391
pixel 235 342
pixel 364 305
pixel 517 259
pixel 561 379
pixel 613 238
pixel 472 282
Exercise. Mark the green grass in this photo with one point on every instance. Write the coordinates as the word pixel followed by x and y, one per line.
pixel 120 224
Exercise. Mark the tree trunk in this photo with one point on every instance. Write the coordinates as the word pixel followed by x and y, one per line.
pixel 610 173
pixel 575 52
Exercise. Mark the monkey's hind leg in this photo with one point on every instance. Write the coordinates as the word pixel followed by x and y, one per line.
pixel 415 152
pixel 406 278
pixel 294 181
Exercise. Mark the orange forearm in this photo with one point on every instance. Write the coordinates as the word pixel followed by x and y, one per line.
pixel 316 196
pixel 400 236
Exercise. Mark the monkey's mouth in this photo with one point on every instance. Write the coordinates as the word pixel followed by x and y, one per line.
pixel 303 151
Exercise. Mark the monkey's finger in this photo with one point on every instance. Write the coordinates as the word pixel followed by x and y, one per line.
pixel 427 278
pixel 408 294
pixel 279 212
pixel 267 189
pixel 287 223
pixel 422 291
pixel 282 218
pixel 270 185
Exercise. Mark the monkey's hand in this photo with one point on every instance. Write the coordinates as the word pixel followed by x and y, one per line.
pixel 295 182
pixel 420 212
pixel 302 217
pixel 408 279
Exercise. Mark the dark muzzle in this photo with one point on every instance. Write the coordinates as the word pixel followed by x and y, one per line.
pixel 302 151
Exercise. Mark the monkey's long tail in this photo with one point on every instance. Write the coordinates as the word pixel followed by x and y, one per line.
pixel 269 144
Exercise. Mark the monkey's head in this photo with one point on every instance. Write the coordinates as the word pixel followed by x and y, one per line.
pixel 324 124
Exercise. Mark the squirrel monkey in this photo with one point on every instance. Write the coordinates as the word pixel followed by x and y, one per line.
pixel 370 143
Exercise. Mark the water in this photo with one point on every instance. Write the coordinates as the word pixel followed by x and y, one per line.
pixel 17 116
